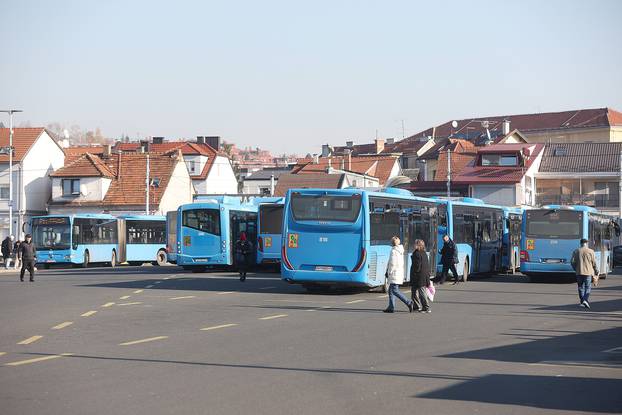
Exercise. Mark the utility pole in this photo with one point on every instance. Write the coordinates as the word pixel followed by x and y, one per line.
pixel 147 185
pixel 448 172
pixel 620 188
pixel 10 150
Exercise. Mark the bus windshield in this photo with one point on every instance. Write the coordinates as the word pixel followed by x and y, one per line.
pixel 554 224
pixel 271 219
pixel 326 207
pixel 51 233
pixel 205 220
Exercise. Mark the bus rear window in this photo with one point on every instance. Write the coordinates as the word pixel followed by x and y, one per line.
pixel 205 220
pixel 326 207
pixel 270 219
pixel 554 224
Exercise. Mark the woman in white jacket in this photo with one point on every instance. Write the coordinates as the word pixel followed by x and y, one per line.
pixel 395 275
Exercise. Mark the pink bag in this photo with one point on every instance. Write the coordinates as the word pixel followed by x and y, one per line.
pixel 430 290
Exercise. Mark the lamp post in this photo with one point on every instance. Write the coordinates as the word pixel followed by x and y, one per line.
pixel 10 151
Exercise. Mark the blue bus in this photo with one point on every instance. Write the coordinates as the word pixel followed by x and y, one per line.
pixel 342 237
pixel 551 234
pixel 269 229
pixel 145 238
pixel 477 230
pixel 510 251
pixel 83 239
pixel 205 232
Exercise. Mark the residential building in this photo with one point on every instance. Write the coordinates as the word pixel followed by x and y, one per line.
pixel 116 183
pixel 581 173
pixel 319 180
pixel 36 154
pixel 263 182
pixel 503 174
pixel 380 167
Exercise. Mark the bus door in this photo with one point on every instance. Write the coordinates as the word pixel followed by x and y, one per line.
pixel 121 241
pixel 432 246
pixel 406 242
pixel 239 222
pixel 477 244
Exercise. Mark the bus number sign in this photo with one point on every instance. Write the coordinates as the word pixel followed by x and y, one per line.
pixel 268 241
pixel 531 245
pixel 292 240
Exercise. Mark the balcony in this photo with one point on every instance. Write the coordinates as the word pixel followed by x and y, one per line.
pixel 597 201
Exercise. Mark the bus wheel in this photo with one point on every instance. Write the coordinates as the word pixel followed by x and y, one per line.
pixel 87 258
pixel 161 257
pixel 465 270
pixel 113 259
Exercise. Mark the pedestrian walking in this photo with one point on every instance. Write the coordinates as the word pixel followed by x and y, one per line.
pixel 420 277
pixel 7 250
pixel 584 264
pixel 16 262
pixel 28 257
pixel 395 276
pixel 449 259
pixel 243 251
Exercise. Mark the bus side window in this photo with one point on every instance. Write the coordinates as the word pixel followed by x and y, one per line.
pixel 75 239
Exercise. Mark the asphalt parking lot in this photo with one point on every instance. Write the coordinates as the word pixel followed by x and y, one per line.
pixel 151 340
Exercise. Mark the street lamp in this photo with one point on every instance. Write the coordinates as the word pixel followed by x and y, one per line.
pixel 10 150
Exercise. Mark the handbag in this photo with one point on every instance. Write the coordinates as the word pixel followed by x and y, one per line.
pixel 430 291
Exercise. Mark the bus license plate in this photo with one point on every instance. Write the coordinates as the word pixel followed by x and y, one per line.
pixel 552 261
pixel 50 260
pixel 323 268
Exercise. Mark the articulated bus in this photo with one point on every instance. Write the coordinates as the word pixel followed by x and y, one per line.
pixel 510 255
pixel 342 237
pixel 204 232
pixel 269 229
pixel 476 229
pixel 83 239
pixel 145 239
pixel 550 235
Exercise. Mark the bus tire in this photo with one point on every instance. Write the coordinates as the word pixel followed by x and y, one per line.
pixel 465 270
pixel 113 259
pixel 161 258
pixel 85 262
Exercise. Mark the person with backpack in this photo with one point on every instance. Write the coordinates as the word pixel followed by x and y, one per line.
pixel 449 259
pixel 244 254
pixel 7 251
pixel 420 277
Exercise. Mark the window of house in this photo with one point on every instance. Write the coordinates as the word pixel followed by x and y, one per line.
pixel 499 160
pixel 4 192
pixel 71 187
pixel 191 166
pixel 606 194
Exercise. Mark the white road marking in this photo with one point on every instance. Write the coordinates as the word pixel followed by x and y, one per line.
pixel 138 291
pixel 222 326
pixel 30 340
pixel 158 282
pixel 273 317
pixel 37 359
pixel 132 303
pixel 383 296
pixel 88 313
pixel 614 350
pixel 62 325
pixel 226 292
pixel 149 286
pixel 2 353
pixel 108 305
pixel 150 339
pixel 354 301
pixel 182 297
pixel 125 297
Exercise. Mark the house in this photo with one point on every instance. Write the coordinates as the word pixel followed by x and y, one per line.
pixel 503 174
pixel 116 183
pixel 317 180
pixel 211 171
pixel 263 182
pixel 36 154
pixel 581 173
pixel 361 169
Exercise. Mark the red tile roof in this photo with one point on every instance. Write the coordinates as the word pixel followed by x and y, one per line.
pixel 463 153
pixel 308 181
pixel 23 139
pixel 73 153
pixel 87 165
pixel 379 166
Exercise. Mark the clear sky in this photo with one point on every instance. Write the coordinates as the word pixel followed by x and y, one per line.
pixel 289 76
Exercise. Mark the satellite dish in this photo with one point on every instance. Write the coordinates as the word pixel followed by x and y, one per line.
pixel 454 124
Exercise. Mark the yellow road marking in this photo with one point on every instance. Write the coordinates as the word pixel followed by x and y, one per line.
pixel 150 339
pixel 132 303
pixel 125 297
pixel 62 325
pixel 108 305
pixel 354 301
pixel 37 359
pixel 222 326
pixel 2 353
pixel 138 291
pixel 226 292
pixel 182 297
pixel 88 313
pixel 30 340
pixel 273 317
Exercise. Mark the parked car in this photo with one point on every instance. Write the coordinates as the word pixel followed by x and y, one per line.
pixel 617 255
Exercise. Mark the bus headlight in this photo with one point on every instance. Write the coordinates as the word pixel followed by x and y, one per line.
pixel 68 256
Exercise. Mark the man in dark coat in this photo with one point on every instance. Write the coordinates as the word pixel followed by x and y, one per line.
pixel 28 256
pixel 449 259
pixel 420 277
pixel 243 252
pixel 7 251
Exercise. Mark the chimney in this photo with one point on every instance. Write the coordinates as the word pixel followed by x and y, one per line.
pixel 213 141
pixel 119 165
pixel 107 151
pixel 349 157
pixel 330 164
pixel 342 165
pixel 316 159
pixel 157 140
pixel 200 139
pixel 144 146
pixel 390 140
pixel 506 127
pixel 349 144
pixel 379 145
pixel 325 150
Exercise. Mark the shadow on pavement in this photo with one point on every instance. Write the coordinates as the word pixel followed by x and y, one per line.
pixel 545 392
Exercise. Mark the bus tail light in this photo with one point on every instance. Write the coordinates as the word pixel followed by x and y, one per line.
pixel 284 258
pixel 524 256
pixel 361 262
pixel 260 244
